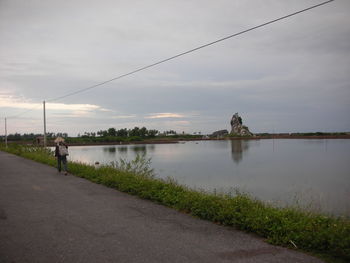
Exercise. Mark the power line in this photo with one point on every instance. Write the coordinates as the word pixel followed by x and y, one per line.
pixel 173 57
pixel 189 51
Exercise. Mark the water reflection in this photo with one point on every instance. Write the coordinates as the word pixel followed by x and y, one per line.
pixel 151 147
pixel 122 149
pixel 110 149
pixel 237 149
pixel 142 149
pixel 139 149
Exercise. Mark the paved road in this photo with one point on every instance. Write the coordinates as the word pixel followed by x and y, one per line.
pixel 49 217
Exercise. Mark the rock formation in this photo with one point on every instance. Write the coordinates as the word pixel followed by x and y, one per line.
pixel 237 128
pixel 219 134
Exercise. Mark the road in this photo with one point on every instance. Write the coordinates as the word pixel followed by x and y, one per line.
pixel 48 217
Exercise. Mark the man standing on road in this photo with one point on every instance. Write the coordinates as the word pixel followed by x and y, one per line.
pixel 61 152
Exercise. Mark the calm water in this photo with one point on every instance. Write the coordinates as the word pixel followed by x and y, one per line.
pixel 313 173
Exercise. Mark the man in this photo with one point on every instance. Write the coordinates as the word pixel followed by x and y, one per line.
pixel 61 152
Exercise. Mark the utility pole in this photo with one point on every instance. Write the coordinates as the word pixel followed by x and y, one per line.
pixel 6 132
pixel 44 124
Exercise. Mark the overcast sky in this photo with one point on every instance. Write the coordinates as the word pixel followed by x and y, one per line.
pixel 291 76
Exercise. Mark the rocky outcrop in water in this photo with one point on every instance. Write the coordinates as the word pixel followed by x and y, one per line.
pixel 237 127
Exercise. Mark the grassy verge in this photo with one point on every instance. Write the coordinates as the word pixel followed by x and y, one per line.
pixel 323 235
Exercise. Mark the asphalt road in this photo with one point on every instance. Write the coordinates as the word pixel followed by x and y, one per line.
pixel 48 217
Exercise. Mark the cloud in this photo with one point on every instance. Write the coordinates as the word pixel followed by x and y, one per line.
pixel 10 101
pixel 72 107
pixel 124 116
pixel 164 115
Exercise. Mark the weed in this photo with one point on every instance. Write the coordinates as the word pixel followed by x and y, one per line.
pixel 140 166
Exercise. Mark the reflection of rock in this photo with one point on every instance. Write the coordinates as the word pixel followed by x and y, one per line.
pixel 237 128
pixel 237 149
pixel 219 134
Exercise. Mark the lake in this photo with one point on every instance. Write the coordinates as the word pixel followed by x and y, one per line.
pixel 311 173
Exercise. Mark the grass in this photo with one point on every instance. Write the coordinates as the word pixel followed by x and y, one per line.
pixel 326 236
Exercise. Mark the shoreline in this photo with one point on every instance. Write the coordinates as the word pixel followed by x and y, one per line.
pixel 179 140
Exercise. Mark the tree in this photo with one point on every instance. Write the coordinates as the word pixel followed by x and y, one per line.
pixel 134 132
pixel 152 133
pixel 122 132
pixel 170 132
pixel 143 132
pixel 100 133
pixel 112 132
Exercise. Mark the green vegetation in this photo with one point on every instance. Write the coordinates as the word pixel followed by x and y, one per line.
pixel 103 136
pixel 140 166
pixel 30 137
pixel 123 133
pixel 323 235
pixel 137 134
pixel 235 135
pixel 104 139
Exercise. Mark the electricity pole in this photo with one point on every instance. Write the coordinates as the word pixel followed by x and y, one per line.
pixel 6 132
pixel 44 124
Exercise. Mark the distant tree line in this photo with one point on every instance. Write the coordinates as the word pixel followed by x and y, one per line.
pixel 123 133
pixel 32 136
pixel 111 132
pixel 136 134
pixel 103 136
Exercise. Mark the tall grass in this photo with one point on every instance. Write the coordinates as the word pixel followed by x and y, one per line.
pixel 140 166
pixel 324 235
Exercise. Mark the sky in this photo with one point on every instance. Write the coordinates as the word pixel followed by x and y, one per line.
pixel 290 76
